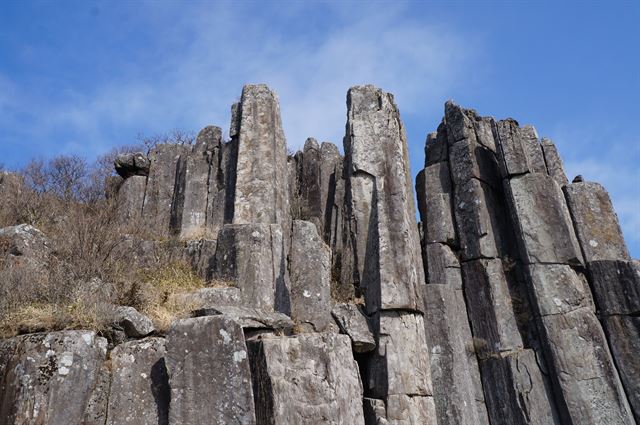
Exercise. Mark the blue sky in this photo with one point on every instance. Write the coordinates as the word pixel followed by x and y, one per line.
pixel 82 77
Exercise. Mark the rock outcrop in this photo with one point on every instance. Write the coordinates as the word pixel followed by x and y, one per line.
pixel 514 301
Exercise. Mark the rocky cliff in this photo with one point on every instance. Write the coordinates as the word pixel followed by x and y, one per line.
pixel 513 301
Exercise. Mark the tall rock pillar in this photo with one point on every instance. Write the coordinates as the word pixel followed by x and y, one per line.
pixel 386 252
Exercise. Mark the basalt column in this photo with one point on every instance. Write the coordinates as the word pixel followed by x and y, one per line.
pixel 386 251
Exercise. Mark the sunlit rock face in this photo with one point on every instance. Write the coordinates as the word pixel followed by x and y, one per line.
pixel 508 298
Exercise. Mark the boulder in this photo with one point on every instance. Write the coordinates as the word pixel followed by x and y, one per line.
pixel 354 323
pixel 49 378
pixel 248 317
pixel 132 164
pixel 310 276
pixel 596 222
pixel 309 378
pixel 209 372
pixel 139 392
pixel 134 323
pixel 544 228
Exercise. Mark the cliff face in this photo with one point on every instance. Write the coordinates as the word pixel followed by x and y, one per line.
pixel 513 301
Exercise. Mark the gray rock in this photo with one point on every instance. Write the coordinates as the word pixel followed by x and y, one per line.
pixel 400 364
pixel 249 318
pixel 250 257
pixel 158 198
pixel 49 378
pixel 383 210
pixel 222 181
pixel 209 372
pixel 623 334
pixel 139 392
pixel 596 222
pixel 309 378
pixel 209 297
pixel 558 289
pixel 97 407
pixel 516 390
pixel 375 412
pixel 457 390
pixel 132 164
pixel 616 286
pixel 554 162
pixel 491 313
pixel 469 160
pixel 134 323
pixel 443 267
pixel 582 369
pixel 200 253
pixel 434 189
pixel 190 198
pixel 354 323
pixel 410 410
pixel 480 220
pixel 261 186
pixel 436 146
pixel 130 199
pixel 520 152
pixel 544 228
pixel 310 274
pixel 25 241
pixel 459 123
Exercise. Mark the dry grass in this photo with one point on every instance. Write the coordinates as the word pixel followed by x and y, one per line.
pixel 154 295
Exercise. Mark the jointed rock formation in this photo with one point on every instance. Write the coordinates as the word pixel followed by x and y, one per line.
pixel 513 300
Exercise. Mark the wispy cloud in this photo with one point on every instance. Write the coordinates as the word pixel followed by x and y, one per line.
pixel 216 49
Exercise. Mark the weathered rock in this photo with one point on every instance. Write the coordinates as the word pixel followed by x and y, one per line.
pixel 209 372
pixel 98 405
pixel 190 198
pixel 517 392
pixel 616 286
pixel 310 274
pixel 434 190
pixel 520 152
pixel 582 369
pixel 261 187
pixel 24 241
pixel 443 266
pixel 354 323
pixel 139 392
pixel 310 378
pixel 480 219
pixel 491 312
pixel 410 410
pixel 249 318
pixel 250 257
pixel 457 390
pixel 156 210
pixel 436 146
pixel 375 412
pixel 200 254
pixel 554 162
pixel 469 160
pixel 131 199
pixel 382 202
pixel 49 378
pixel 558 289
pixel 596 222
pixel 400 364
pixel 543 226
pixel 623 334
pixel 132 164
pixel 134 323
pixel 222 181
pixel 209 297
